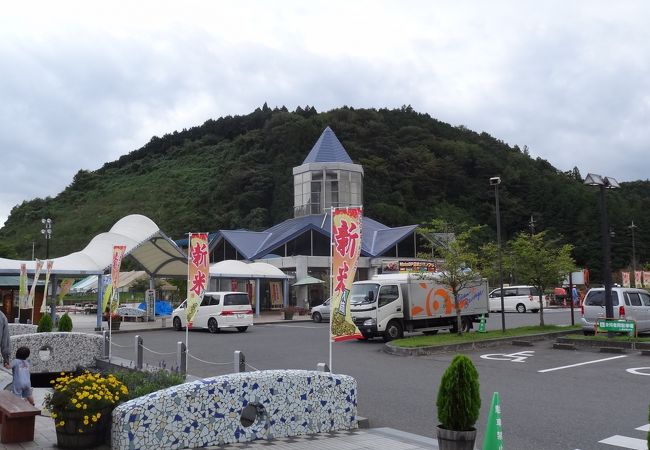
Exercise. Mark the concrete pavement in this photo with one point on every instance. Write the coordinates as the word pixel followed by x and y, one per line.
pixel 372 438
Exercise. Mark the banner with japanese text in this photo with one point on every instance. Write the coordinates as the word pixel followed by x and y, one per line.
pixel 32 290
pixel 637 278
pixel 66 284
pixel 346 249
pixel 197 273
pixel 22 289
pixel 118 255
pixel 49 265
pixel 276 294
pixel 625 279
pixel 646 279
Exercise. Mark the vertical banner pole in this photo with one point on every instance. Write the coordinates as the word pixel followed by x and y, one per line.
pixel 187 304
pixel 331 285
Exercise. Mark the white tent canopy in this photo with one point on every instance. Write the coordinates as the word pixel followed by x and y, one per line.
pixel 238 269
pixel 156 253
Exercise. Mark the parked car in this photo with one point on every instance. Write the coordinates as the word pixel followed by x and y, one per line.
pixel 515 298
pixel 218 310
pixel 627 303
pixel 320 312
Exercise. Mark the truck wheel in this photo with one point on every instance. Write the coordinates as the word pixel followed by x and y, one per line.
pixel 465 323
pixel 393 331
pixel 521 308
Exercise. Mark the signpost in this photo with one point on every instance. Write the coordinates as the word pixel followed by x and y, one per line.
pixel 618 326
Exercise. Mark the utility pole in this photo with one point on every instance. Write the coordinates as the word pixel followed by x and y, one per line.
pixel 632 227
pixel 531 224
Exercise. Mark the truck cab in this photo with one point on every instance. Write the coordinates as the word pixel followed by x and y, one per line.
pixel 373 305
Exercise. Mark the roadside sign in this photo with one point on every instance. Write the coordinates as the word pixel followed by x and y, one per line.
pixel 619 326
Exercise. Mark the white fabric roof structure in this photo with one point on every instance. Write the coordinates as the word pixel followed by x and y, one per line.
pixel 156 253
pixel 238 269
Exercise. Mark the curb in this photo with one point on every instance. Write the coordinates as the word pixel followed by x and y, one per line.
pixel 430 350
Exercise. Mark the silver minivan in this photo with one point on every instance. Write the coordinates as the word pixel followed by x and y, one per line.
pixel 628 303
pixel 515 298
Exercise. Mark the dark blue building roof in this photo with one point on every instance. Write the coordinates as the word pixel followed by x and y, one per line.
pixel 376 238
pixel 328 148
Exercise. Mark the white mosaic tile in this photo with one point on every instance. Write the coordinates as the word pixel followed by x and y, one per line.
pixel 207 412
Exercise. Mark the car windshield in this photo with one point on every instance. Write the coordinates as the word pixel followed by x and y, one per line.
pixel 363 293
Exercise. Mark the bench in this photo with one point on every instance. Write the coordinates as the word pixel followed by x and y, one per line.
pixel 17 417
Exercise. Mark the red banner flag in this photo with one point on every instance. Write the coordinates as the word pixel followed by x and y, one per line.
pixel 197 273
pixel 346 249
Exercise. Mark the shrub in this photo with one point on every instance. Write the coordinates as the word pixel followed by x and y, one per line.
pixel 45 324
pixel 90 393
pixel 142 383
pixel 65 323
pixel 459 399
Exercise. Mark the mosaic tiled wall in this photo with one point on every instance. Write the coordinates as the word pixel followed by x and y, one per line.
pixel 21 328
pixel 56 352
pixel 208 412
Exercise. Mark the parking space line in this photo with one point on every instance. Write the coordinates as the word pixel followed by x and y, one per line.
pixel 582 364
pixel 626 442
pixel 645 427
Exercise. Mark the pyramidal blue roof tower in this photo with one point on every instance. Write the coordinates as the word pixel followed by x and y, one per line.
pixel 327 178
pixel 328 148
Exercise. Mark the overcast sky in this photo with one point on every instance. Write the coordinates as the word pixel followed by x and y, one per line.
pixel 82 84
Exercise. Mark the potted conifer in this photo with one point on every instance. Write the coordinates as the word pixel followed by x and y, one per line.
pixel 459 403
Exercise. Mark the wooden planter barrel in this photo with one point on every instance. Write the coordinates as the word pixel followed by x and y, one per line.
pixel 68 436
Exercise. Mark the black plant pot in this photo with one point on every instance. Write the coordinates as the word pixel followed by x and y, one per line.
pixel 455 440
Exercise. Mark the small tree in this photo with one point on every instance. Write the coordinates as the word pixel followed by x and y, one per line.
pixel 459 397
pixel 456 274
pixel 541 262
pixel 45 324
pixel 65 323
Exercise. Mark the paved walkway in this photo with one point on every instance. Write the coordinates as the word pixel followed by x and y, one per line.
pixel 366 439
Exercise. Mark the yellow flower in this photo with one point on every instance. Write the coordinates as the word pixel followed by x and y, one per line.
pixel 61 423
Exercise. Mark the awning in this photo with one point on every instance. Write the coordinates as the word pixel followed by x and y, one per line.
pixel 308 280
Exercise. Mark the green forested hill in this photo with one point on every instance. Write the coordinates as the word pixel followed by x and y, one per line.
pixel 236 172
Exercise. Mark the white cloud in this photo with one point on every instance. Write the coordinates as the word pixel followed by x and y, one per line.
pixel 85 83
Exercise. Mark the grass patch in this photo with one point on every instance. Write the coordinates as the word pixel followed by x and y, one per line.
pixel 453 338
pixel 603 337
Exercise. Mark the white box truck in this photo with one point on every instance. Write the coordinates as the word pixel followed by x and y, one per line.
pixel 389 305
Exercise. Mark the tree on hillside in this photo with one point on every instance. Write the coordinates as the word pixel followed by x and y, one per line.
pixel 541 262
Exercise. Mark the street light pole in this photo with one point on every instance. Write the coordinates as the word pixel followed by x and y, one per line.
pixel 632 227
pixel 496 181
pixel 603 183
pixel 47 232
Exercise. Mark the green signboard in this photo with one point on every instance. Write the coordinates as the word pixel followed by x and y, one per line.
pixel 621 326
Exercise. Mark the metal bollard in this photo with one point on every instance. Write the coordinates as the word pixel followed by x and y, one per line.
pixel 322 367
pixel 240 362
pixel 138 352
pixel 107 343
pixel 181 358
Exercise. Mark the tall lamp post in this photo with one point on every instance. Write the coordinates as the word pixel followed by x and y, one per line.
pixel 632 227
pixel 496 181
pixel 604 183
pixel 47 232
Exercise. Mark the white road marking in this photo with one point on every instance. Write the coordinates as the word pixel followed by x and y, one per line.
pixel 645 427
pixel 626 442
pixel 638 370
pixel 582 364
pixel 513 357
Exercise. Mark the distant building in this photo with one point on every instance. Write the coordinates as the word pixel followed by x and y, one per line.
pixel 300 246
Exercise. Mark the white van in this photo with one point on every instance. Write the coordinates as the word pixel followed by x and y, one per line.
pixel 627 303
pixel 515 298
pixel 218 310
